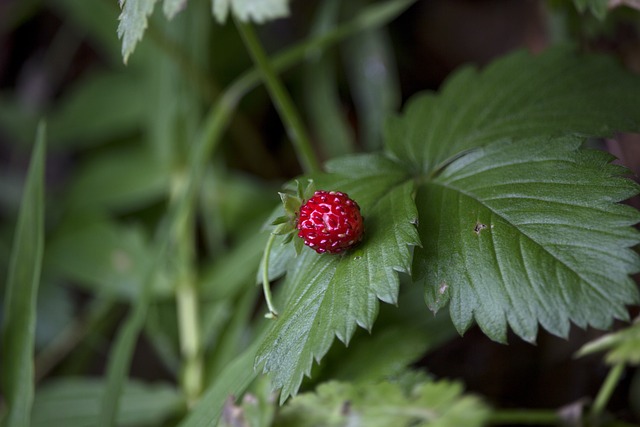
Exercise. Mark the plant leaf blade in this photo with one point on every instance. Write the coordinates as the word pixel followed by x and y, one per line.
pixel 133 23
pixel 519 96
pixel 524 232
pixel 18 328
pixel 330 296
pixel 258 11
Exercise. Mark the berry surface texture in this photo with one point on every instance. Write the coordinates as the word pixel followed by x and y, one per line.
pixel 330 222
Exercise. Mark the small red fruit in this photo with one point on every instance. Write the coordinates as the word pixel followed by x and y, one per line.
pixel 330 222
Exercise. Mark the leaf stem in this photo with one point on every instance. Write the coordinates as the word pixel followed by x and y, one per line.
pixel 281 98
pixel 265 277
pixel 185 289
pixel 609 385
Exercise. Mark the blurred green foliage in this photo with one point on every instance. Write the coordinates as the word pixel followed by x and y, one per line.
pixel 143 251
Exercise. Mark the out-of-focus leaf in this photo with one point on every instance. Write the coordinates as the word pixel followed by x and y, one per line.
pixel 233 270
pixel 373 80
pixel 172 7
pixel 621 347
pixel 75 402
pixel 256 409
pixel 250 10
pixel 16 120
pixel 161 328
pixel 133 23
pixel 238 200
pixel 121 352
pixel 325 109
pixel 122 179
pixel 233 336
pixel 96 19
pixel 55 311
pixel 383 404
pixel 20 299
pixel 523 232
pixel 97 109
pixel 104 257
pixel 233 381
pixel 599 8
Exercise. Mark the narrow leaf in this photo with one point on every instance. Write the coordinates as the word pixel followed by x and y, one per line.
pixel 18 327
pixel 75 402
pixel 122 350
pixel 523 232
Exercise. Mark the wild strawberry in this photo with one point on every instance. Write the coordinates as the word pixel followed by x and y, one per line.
pixel 330 222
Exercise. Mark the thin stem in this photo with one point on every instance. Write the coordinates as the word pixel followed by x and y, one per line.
pixel 609 385
pixel 265 277
pixel 523 416
pixel 281 98
pixel 187 295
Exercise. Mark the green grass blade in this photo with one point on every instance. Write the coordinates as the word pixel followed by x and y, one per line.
pixel 122 352
pixel 18 328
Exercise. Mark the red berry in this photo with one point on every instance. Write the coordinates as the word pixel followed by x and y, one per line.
pixel 330 222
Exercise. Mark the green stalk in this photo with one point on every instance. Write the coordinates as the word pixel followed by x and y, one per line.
pixel 187 296
pixel 609 385
pixel 265 278
pixel 281 98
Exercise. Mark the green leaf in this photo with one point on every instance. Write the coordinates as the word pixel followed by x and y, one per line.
pixel 104 257
pixel 528 231
pixel 516 97
pixel 621 347
pixel 172 7
pixel 598 8
pixel 99 108
pixel 330 295
pixel 121 352
pixel 233 380
pixel 133 23
pixel 250 10
pixel 75 402
pixel 440 403
pixel 401 336
pixel 95 21
pixel 233 270
pixel 324 106
pixel 18 327
pixel 114 180
pixel 373 79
